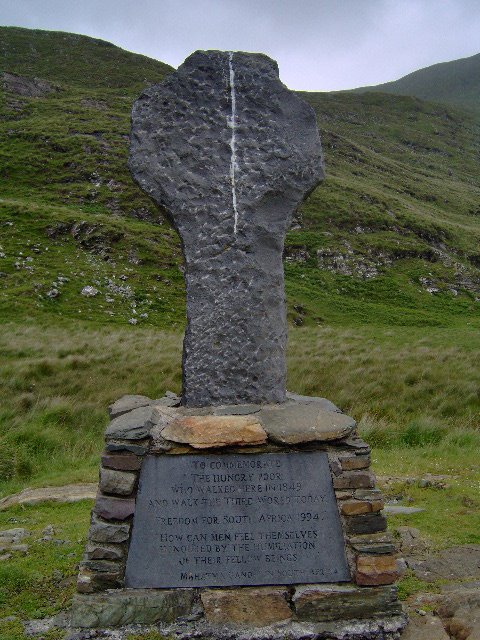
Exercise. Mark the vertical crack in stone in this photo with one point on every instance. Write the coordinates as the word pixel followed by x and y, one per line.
pixel 232 124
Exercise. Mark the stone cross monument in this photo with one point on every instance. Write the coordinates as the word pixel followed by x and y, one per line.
pixel 229 152
pixel 228 522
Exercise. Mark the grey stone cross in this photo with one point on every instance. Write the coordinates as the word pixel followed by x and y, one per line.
pixel 229 152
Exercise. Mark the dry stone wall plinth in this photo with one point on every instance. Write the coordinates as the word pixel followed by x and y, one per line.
pixel 229 152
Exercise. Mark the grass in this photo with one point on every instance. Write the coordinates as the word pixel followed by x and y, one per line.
pixel 410 585
pixel 402 385
pixel 56 382
pixel 56 385
pixel 451 515
pixel 42 582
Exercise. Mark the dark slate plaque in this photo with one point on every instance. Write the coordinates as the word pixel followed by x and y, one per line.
pixel 225 520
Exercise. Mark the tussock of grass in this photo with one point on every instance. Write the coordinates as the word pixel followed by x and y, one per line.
pixel 405 386
pixel 56 385
pixel 409 585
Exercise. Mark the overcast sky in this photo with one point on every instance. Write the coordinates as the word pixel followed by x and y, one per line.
pixel 319 44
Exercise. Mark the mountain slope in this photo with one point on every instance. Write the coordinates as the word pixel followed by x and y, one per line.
pixel 391 237
pixel 456 82
pixel 76 60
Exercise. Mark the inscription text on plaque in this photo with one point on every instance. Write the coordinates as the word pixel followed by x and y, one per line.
pixel 225 520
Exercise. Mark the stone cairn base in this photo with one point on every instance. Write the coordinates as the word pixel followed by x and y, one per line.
pixel 367 607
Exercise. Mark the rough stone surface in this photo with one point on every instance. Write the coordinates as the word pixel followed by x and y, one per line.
pixel 460 613
pixel 257 607
pixel 190 626
pixel 141 606
pixel 112 508
pixel 122 461
pixel 294 423
pixel 368 494
pixel 216 431
pixel 108 532
pixel 134 425
pixel 376 543
pixel 356 507
pixel 354 480
pixel 162 415
pixel 169 400
pixel 425 628
pixel 34 627
pixel 349 463
pixel 29 87
pixel 335 602
pixel 411 540
pixel 127 403
pixel 118 482
pixel 343 495
pixel 116 447
pixel 322 402
pixel 357 444
pixel 229 152
pixel 104 552
pixel 366 523
pixel 90 581
pixel 103 565
pixel 456 563
pixel 13 536
pixel 376 570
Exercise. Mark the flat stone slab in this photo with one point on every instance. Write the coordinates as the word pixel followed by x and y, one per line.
pixel 294 423
pixel 127 403
pixel 236 519
pixel 380 628
pixel 397 509
pixel 108 532
pixel 254 607
pixel 113 508
pixel 134 425
pixel 127 606
pixel 322 402
pixel 336 602
pixel 203 432
pixel 67 493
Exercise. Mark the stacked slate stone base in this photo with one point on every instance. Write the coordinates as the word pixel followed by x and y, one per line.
pixel 366 608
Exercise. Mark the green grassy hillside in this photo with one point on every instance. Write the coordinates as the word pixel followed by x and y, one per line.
pixel 392 236
pixel 76 60
pixel 456 82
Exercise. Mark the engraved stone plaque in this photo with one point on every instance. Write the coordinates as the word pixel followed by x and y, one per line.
pixel 233 520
